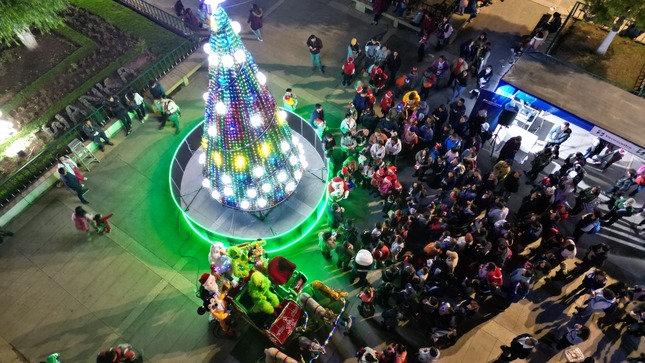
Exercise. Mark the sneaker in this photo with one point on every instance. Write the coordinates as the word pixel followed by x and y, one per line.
pixel 110 143
pixel 85 202
pixel 322 69
pixel 260 39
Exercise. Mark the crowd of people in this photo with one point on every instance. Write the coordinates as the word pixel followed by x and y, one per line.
pixel 449 245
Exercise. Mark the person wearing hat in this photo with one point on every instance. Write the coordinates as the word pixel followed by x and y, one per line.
pixel 353 49
pixel 377 78
pixel 348 71
pixel 360 101
pixel 386 102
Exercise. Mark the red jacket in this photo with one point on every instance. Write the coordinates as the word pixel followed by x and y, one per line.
pixel 349 68
pixel 386 104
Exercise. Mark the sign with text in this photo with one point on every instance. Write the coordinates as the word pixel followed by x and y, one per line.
pixel 618 141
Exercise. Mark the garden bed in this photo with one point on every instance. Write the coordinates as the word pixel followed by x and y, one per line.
pixel 97 47
pixel 622 63
pixel 20 66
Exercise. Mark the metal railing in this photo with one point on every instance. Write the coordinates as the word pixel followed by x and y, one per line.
pixel 21 179
pixel 639 85
pixel 161 17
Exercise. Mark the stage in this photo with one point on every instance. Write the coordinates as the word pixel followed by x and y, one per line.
pixel 280 226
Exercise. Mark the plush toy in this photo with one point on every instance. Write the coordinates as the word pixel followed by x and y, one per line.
pixel 216 305
pixel 239 261
pixel 219 259
pixel 258 255
pixel 209 283
pixel 334 294
pixel 338 189
pixel 259 292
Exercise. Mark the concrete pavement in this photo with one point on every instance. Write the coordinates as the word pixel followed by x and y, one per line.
pixel 64 293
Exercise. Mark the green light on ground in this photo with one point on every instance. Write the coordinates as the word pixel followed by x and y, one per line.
pixel 275 243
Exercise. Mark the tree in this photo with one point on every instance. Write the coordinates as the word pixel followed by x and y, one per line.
pixel 614 13
pixel 252 162
pixel 19 17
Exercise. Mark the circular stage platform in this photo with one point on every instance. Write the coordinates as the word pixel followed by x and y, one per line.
pixel 281 226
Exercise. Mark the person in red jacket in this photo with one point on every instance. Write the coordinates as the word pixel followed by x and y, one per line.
pixel 387 102
pixel 381 254
pixel 348 71
pixel 494 277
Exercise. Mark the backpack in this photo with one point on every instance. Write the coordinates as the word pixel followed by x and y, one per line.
pixel 640 180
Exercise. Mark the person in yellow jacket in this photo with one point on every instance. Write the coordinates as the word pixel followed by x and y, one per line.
pixel 411 100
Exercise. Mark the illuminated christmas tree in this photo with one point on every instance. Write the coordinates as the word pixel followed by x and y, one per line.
pixel 251 160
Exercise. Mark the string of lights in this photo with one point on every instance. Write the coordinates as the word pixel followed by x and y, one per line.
pixel 251 160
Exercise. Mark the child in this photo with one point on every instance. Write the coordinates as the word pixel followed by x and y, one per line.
pixel 82 221
pixel 101 223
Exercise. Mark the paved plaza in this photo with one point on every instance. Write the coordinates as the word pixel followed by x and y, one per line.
pixel 63 293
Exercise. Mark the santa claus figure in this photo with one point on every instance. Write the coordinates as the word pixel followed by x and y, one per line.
pixel 338 189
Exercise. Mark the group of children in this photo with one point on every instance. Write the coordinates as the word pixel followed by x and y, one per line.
pixel 84 222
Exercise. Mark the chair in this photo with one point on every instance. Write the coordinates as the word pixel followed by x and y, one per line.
pixel 82 154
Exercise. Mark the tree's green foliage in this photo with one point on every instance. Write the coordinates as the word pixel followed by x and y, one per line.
pixel 18 15
pixel 607 11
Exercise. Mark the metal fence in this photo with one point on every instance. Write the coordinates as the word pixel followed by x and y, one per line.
pixel 21 179
pixel 159 16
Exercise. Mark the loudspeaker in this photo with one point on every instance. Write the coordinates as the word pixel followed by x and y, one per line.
pixel 506 117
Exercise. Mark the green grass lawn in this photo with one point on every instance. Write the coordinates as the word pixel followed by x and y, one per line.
pixel 157 39
pixel 622 63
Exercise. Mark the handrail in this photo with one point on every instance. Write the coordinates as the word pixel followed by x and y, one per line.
pixel 36 166
pixel 158 15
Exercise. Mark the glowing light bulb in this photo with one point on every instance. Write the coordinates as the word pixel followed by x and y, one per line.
pixel 293 160
pixel 207 48
pixel 290 187
pixel 202 159
pixel 220 108
pixel 212 130
pixel 226 179
pixel 205 96
pixel 256 120
pixel 304 163
pixel 213 60
pixel 282 176
pixel 282 115
pixel 213 3
pixel 297 174
pixel 228 61
pixel 284 146
pixel 237 27
pixel 228 191
pixel 240 56
pixel 262 202
pixel 265 149
pixel 240 162
pixel 258 171
pixel 215 194
pixel 217 158
pixel 252 193
pixel 245 204
pixel 206 183
pixel 295 139
pixel 266 187
pixel 262 78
